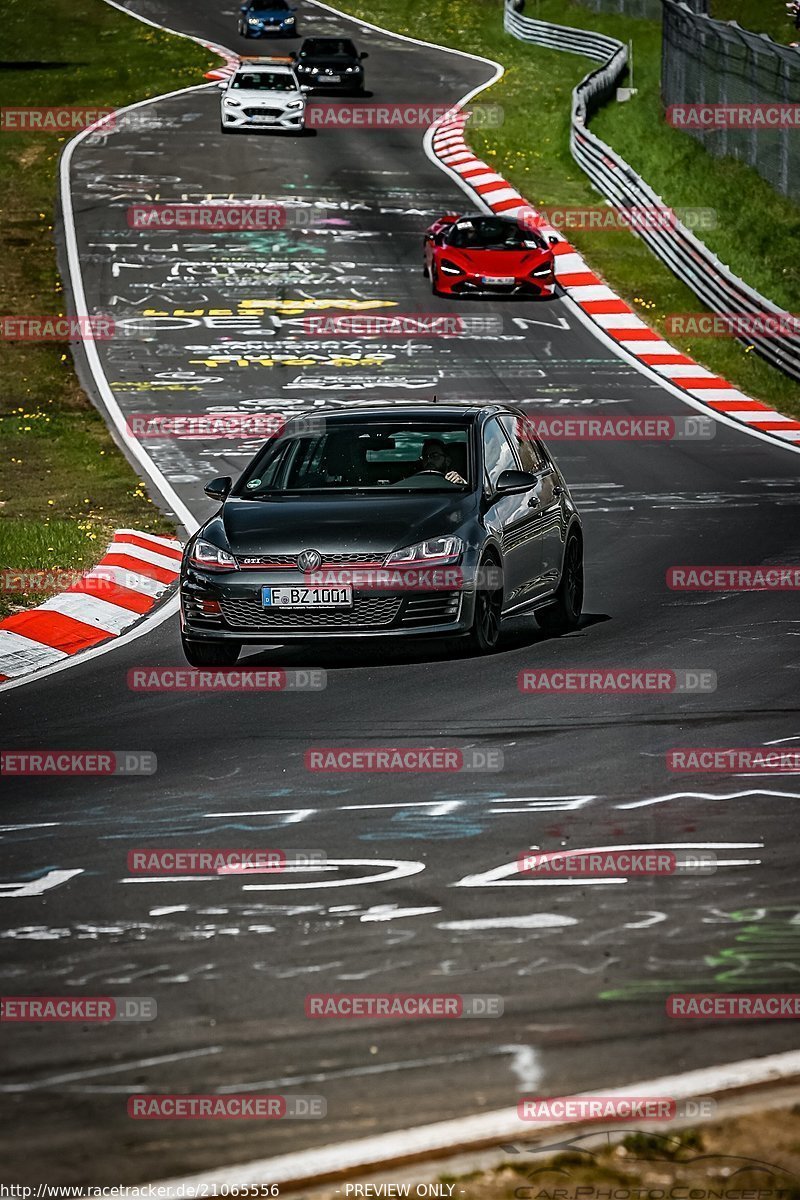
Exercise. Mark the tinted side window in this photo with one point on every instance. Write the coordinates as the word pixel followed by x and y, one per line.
pixel 521 434
pixel 497 453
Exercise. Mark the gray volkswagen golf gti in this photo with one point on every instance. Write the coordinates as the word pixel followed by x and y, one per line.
pixel 401 522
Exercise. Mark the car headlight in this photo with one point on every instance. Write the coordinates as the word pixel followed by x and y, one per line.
pixel 288 21
pixel 442 550
pixel 544 269
pixel 294 104
pixel 235 103
pixel 314 70
pixel 253 20
pixel 211 558
pixel 449 268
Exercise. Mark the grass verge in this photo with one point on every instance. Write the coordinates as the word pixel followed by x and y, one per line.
pixel 756 228
pixel 768 18
pixel 64 486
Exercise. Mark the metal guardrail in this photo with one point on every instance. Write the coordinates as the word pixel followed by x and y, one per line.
pixel 687 257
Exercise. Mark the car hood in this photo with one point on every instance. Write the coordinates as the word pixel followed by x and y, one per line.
pixel 253 95
pixel 363 524
pixel 496 262
pixel 269 14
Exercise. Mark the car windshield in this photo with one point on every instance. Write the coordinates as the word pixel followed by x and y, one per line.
pixel 259 10
pixel 264 81
pixel 327 48
pixel 491 233
pixel 355 457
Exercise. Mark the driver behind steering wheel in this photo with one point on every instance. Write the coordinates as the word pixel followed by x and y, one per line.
pixel 436 461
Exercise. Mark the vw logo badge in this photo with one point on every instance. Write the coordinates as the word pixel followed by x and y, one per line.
pixel 309 560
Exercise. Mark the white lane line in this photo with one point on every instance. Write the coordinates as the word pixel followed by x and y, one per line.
pixel 91 1072
pixel 485 1129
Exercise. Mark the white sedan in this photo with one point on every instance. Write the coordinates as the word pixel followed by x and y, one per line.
pixel 263 95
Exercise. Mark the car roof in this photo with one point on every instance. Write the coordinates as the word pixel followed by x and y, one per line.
pixel 431 412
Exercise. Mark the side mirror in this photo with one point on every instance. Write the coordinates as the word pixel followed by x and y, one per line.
pixel 511 482
pixel 218 489
pixel 553 240
pixel 364 54
pixel 223 85
pixel 304 87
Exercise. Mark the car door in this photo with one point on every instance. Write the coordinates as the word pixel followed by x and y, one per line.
pixel 547 507
pixel 513 518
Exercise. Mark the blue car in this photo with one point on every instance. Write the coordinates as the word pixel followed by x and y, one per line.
pixel 267 18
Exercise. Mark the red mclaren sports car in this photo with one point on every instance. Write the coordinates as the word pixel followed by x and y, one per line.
pixel 476 254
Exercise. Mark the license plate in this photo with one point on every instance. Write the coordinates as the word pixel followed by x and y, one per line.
pixel 307 597
pixel 333 79
pixel 499 280
pixel 263 119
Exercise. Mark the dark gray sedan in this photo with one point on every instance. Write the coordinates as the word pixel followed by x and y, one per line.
pixel 433 520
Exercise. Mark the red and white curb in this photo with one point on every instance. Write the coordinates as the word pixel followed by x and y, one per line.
pixel 134 575
pixel 597 300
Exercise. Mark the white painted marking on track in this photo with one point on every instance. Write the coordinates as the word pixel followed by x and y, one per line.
pixel 529 921
pixel 397 869
pixel 115 1069
pixel 707 796
pixel 36 887
pixel 392 912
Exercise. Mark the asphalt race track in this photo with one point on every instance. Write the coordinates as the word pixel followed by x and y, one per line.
pixel 583 970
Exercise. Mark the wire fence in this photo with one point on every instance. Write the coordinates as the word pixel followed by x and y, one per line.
pixel 706 62
pixel 686 256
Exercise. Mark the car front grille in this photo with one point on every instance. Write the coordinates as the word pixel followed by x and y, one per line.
pixel 263 112
pixel 368 612
pixel 289 561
